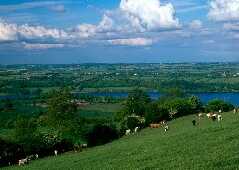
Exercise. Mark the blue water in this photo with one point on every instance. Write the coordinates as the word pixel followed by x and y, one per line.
pixel 205 97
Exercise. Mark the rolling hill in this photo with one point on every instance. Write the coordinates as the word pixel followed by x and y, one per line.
pixel 210 145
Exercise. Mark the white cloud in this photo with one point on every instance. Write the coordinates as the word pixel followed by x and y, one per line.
pixel 149 15
pixel 13 32
pixel 224 10
pixel 7 31
pixel 84 31
pixel 132 42
pixel 195 24
pixel 32 32
pixel 42 46
pixel 231 26
pixel 131 18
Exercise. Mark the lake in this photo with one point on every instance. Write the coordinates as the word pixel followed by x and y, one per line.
pixel 205 97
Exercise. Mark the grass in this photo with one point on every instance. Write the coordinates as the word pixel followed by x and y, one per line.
pixel 210 145
pixel 100 110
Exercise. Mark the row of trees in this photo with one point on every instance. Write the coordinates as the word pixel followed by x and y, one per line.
pixel 172 105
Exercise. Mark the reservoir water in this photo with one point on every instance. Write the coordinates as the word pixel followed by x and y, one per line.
pixel 205 97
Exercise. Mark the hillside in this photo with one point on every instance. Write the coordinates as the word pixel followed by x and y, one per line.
pixel 211 145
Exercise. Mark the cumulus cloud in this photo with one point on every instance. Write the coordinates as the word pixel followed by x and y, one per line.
pixel 7 31
pixel 132 42
pixel 224 10
pixel 149 14
pixel 41 46
pixel 14 32
pixel 84 30
pixel 118 26
pixel 195 24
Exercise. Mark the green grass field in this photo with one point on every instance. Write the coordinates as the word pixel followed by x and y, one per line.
pixel 210 145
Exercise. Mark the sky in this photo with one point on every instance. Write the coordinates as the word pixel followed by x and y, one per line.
pixel 118 31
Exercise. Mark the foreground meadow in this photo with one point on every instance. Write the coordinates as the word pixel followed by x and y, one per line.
pixel 210 145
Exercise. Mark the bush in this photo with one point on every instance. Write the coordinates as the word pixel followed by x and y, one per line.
pixel 156 113
pixel 216 105
pixel 101 134
pixel 134 121
pixel 10 153
pixel 136 102
pixel 177 107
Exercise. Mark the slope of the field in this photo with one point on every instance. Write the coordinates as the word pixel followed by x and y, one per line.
pixel 210 145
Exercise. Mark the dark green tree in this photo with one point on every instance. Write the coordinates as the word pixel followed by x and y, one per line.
pixel 195 103
pixel 136 102
pixel 156 113
pixel 61 107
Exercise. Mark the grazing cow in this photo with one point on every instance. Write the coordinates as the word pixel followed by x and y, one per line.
pixel 128 131
pixel 136 129
pixel 163 122
pixel 36 156
pixel 55 152
pixel 219 117
pixel 166 128
pixel 214 117
pixel 23 161
pixel 235 111
pixel 209 115
pixel 155 125
pixel 200 115
pixel 84 145
pixel 194 122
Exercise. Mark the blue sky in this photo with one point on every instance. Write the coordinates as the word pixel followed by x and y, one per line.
pixel 118 31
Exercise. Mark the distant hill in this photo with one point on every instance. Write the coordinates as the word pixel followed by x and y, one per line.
pixel 210 145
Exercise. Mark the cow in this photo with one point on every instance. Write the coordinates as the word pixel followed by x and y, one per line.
pixel 219 117
pixel 166 128
pixel 200 115
pixel 84 145
pixel 136 129
pixel 127 132
pixel 55 152
pixel 155 125
pixel 23 161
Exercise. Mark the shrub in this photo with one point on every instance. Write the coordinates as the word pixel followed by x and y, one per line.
pixel 216 105
pixel 10 153
pixel 156 113
pixel 101 134
pixel 134 121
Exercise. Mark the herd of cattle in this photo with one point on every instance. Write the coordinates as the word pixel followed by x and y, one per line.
pixel 55 152
pixel 212 115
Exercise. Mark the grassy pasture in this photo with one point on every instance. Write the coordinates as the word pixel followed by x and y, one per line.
pixel 210 145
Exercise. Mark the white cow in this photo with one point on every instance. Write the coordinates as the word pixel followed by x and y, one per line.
pixel 219 117
pixel 55 152
pixel 166 128
pixel 128 131
pixel 22 161
pixel 136 129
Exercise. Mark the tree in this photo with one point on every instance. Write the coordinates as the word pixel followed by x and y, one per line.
pixel 61 114
pixel 156 113
pixel 102 134
pixel 216 105
pixel 136 102
pixel 25 133
pixel 195 103
pixel 61 107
